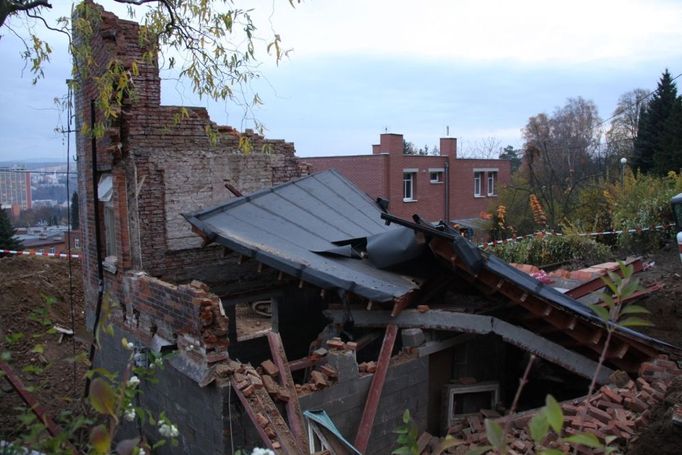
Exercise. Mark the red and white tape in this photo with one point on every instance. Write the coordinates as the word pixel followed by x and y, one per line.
pixel 36 253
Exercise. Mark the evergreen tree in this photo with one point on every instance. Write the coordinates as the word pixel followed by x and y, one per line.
pixel 7 240
pixel 75 221
pixel 668 156
pixel 649 156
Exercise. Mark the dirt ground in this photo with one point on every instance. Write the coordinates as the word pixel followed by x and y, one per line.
pixel 666 304
pixel 34 296
pixel 26 283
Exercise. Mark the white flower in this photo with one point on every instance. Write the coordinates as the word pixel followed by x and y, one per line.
pixel 164 430
pixel 168 430
pixel 133 381
pixel 129 414
pixel 259 451
pixel 141 452
pixel 130 345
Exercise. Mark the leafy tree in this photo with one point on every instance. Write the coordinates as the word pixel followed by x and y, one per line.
pixel 216 40
pixel 653 146
pixel 559 152
pixel 7 232
pixel 622 134
pixel 509 153
pixel 75 220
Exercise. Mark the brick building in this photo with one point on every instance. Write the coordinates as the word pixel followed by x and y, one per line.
pixel 442 187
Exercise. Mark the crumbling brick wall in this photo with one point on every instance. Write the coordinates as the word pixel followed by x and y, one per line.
pixel 161 168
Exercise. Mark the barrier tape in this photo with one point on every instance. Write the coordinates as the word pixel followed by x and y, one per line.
pixel 35 253
pixel 584 234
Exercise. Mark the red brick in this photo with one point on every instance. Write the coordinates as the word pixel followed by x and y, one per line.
pixel 269 368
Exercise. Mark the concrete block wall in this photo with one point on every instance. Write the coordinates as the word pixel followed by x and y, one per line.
pixel 199 413
pixel 406 387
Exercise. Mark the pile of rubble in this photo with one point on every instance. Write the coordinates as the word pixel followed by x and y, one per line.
pixel 620 409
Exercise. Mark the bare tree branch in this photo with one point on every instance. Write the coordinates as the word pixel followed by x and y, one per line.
pixel 8 7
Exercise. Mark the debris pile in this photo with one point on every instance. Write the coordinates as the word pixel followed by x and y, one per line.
pixel 620 409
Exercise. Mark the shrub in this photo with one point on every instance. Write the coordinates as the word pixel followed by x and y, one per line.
pixel 544 250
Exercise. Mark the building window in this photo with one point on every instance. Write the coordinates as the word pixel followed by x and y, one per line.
pixel 76 242
pixel 436 175
pixel 492 183
pixel 478 180
pixel 53 250
pixel 408 186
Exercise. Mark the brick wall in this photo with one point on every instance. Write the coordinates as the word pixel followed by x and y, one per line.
pixel 368 172
pixel 381 175
pixel 161 168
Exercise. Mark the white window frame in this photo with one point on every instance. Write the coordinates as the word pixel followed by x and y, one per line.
pixel 76 242
pixel 492 183
pixel 439 172
pixel 409 175
pixel 53 250
pixel 478 182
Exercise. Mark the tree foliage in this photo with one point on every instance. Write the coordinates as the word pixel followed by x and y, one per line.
pixel 558 154
pixel 7 232
pixel 622 134
pixel 513 155
pixel 212 44
pixel 658 146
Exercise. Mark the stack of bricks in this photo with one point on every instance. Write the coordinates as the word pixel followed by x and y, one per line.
pixel 322 376
pixel 338 344
pixel 620 409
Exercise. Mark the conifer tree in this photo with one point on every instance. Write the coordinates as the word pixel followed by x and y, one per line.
pixel 649 154
pixel 7 240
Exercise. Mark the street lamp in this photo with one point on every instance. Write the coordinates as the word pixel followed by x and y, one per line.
pixel 623 162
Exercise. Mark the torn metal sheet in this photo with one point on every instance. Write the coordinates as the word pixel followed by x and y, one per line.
pixel 321 418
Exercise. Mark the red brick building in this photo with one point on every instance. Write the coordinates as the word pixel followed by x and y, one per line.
pixel 442 187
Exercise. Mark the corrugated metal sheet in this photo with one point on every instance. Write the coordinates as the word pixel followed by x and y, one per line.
pixel 285 226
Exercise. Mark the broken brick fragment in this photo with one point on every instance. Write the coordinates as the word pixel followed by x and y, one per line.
pixel 336 343
pixel 282 394
pixel 329 371
pixel 351 345
pixel 261 420
pixel 248 390
pixel 423 308
pixel 318 379
pixel 269 368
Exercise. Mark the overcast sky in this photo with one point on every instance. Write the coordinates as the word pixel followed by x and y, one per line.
pixel 360 68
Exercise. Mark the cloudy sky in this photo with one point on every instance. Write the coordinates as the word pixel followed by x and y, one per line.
pixel 360 68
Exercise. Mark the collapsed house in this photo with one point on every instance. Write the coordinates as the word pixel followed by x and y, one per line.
pixel 368 314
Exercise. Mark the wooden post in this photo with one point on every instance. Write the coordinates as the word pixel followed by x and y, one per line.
pixel 375 388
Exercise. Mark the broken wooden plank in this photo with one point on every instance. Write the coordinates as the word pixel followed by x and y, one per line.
pixel 269 423
pixel 375 388
pixel 293 406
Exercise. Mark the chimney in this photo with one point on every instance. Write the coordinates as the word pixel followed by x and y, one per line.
pixel 448 147
pixel 389 143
